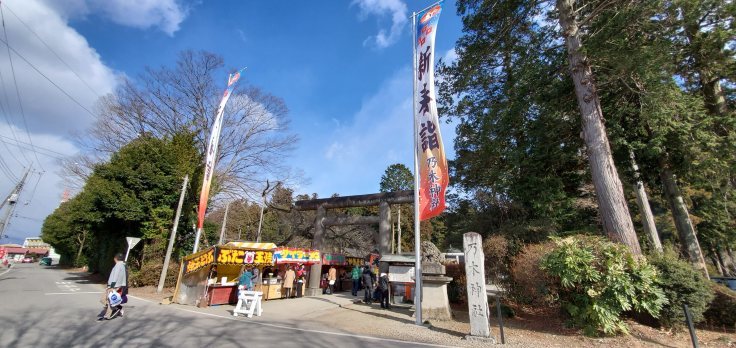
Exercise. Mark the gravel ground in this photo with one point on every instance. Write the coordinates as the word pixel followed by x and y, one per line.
pixel 525 330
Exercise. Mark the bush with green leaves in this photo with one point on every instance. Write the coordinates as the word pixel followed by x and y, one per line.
pixel 681 283
pixel 598 280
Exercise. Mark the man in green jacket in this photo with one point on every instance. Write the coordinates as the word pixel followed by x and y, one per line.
pixel 356 280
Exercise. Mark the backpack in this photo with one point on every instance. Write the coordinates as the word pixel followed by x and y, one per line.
pixel 383 283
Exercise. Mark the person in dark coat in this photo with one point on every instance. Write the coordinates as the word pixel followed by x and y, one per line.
pixel 369 280
pixel 383 287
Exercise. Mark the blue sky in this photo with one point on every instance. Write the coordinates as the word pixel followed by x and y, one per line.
pixel 343 69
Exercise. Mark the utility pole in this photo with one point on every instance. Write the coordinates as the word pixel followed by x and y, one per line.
pixel 12 201
pixel 162 279
pixel 399 222
pixel 224 223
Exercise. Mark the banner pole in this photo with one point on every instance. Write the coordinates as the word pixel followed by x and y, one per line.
pixel 196 240
pixel 417 241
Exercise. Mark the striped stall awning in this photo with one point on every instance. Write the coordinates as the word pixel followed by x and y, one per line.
pixel 252 245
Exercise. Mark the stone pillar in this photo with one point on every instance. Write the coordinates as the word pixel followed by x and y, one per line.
pixel 316 269
pixel 478 310
pixel 435 303
pixel 384 228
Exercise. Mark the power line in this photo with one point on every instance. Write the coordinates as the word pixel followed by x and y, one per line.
pixel 47 78
pixel 17 90
pixel 35 150
pixel 52 51
pixel 6 170
pixel 33 192
pixel 38 147
pixel 6 114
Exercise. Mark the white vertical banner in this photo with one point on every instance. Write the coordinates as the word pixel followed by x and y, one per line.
pixel 211 158
pixel 433 173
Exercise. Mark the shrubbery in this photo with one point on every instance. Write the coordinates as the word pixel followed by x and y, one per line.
pixel 529 284
pixel 722 310
pixel 497 258
pixel 598 280
pixel 681 283
pixel 150 273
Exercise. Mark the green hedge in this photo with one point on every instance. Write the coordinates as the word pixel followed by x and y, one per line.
pixel 681 283
pixel 598 280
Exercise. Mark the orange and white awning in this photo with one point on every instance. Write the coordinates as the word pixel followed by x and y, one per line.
pixel 252 245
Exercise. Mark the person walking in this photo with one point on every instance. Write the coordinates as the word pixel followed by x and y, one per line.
pixel 383 287
pixel 369 279
pixel 117 282
pixel 332 278
pixel 355 275
pixel 289 278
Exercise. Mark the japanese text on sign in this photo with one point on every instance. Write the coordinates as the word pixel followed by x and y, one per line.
pixel 248 257
pixel 200 261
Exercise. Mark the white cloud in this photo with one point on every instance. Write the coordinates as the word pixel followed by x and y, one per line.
pixel 49 114
pixel 166 15
pixel 450 56
pixel 357 152
pixel 42 191
pixel 395 9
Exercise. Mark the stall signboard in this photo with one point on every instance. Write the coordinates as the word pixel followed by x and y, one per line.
pixel 355 261
pixel 333 259
pixel 197 261
pixel 244 257
pixel 296 255
pixel 401 274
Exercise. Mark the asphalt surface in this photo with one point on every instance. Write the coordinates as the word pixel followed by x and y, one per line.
pixel 44 306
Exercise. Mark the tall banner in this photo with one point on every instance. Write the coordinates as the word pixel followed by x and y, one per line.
pixel 433 175
pixel 212 149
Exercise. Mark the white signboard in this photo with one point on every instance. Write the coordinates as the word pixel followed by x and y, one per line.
pixel 476 281
pixel 132 241
pixel 401 274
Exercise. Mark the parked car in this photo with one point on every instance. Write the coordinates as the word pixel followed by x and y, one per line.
pixel 27 260
pixel 45 261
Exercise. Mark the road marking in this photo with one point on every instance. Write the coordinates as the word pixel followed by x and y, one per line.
pixel 2 274
pixel 73 293
pixel 300 329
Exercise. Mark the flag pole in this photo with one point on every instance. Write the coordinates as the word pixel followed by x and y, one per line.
pixel 417 241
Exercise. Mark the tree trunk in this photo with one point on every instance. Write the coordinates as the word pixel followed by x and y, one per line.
pixel 728 266
pixel 81 246
pixel 716 262
pixel 733 260
pixel 647 218
pixel 685 230
pixel 609 190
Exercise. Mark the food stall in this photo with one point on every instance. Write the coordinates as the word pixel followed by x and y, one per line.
pixel 400 276
pixel 285 257
pixel 339 262
pixel 210 276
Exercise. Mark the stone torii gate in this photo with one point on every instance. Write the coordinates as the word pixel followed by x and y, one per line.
pixel 382 239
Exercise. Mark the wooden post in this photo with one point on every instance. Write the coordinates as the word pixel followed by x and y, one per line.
pixel 178 281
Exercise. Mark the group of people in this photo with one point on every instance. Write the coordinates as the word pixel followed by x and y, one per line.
pixel 294 277
pixel 363 276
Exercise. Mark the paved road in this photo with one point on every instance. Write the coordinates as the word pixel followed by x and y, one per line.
pixel 41 306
